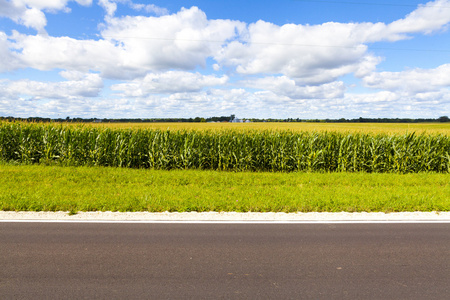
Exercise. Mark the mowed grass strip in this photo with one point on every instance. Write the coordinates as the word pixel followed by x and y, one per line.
pixel 55 188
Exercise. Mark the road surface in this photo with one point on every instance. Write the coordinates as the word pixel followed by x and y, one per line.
pixel 223 261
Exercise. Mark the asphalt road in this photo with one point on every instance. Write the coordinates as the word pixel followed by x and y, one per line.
pixel 223 261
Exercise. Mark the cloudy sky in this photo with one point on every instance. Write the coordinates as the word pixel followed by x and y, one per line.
pixel 263 59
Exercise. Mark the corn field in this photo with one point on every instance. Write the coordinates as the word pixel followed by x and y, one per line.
pixel 276 151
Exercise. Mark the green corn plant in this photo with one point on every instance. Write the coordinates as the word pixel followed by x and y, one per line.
pixel 275 151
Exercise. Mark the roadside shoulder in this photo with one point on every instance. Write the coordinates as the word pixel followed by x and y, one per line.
pixel 226 216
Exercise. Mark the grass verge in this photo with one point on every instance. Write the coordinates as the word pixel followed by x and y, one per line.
pixel 55 188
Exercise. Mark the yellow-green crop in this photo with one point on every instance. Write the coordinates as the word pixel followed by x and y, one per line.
pixel 230 150
pixel 371 128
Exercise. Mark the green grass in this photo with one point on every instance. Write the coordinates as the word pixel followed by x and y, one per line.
pixel 56 188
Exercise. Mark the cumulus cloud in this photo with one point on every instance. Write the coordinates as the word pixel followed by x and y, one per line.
pixel 46 53
pixel 177 41
pixel 426 18
pixel 132 46
pixel 322 53
pixel 9 60
pixel 216 101
pixel 168 82
pixel 397 104
pixel 110 7
pixel 22 14
pixel 284 86
pixel 411 81
pixel 149 8
pixel 285 70
pixel 204 103
pixel 374 98
pixel 51 6
pixel 313 54
pixel 84 85
pixel 30 12
pixel 267 104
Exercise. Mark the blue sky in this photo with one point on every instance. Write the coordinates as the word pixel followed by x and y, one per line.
pixel 256 59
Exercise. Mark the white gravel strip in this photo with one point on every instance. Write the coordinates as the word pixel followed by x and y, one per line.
pixel 8 216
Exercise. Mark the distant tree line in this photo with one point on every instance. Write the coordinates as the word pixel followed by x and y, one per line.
pixel 442 119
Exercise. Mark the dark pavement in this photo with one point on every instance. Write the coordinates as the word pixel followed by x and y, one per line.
pixel 222 261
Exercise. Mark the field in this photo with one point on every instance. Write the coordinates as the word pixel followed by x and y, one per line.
pixel 225 150
pixel 232 167
pixel 374 128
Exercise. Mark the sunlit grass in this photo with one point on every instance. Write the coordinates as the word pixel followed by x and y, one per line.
pixel 51 188
pixel 35 178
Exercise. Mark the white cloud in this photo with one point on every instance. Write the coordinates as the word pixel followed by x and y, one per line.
pixel 426 18
pixel 84 85
pixel 168 82
pixel 204 103
pixel 34 18
pixel 411 81
pixel 150 8
pixel 8 59
pixel 322 53
pixel 30 12
pixel 373 98
pixel 46 53
pixel 177 41
pixel 312 54
pixel 215 102
pixel 269 104
pixel 110 6
pixel 24 15
pixel 132 46
pixel 397 104
pixel 284 86
pixel 135 45
pixel 52 5
pixel 295 69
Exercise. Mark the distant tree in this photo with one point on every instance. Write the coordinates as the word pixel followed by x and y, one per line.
pixel 443 119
